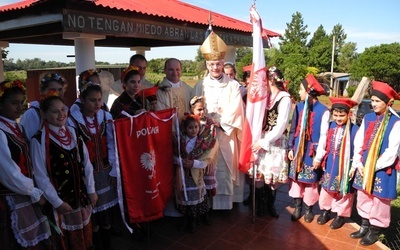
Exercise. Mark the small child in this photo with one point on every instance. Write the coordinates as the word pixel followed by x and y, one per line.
pixel 336 193
pixel 193 156
pixel 198 107
pixel 22 224
pixel 64 172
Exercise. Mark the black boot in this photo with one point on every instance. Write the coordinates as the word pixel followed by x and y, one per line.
pixel 337 223
pixel 96 238
pixel 206 218
pixel 271 196
pixel 309 215
pixel 371 237
pixel 298 206
pixel 324 217
pixel 192 225
pixel 260 200
pixel 364 228
pixel 105 238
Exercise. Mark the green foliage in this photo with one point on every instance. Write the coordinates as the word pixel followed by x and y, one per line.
pixel 15 75
pixel 295 74
pixel 380 63
pixel 320 50
pixel 347 55
pixel 154 78
pixel 351 90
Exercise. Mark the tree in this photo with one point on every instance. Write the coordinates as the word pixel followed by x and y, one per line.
pixel 320 50
pixel 347 55
pixel 380 63
pixel 340 40
pixel 292 58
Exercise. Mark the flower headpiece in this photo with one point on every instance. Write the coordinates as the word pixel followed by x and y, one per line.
pixel 52 77
pixel 11 84
pixel 84 76
pixel 50 93
pixel 127 70
pixel 188 116
pixel 83 87
pixel 272 73
pixel 196 99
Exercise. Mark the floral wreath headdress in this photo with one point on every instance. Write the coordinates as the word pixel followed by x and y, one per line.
pixel 52 77
pixel 127 70
pixel 11 84
pixel 83 79
pixel 50 93
pixel 272 73
pixel 195 99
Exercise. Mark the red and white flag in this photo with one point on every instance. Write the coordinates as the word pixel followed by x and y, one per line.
pixel 144 144
pixel 257 94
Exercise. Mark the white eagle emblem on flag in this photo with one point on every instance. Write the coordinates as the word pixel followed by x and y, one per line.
pixel 148 161
pixel 258 87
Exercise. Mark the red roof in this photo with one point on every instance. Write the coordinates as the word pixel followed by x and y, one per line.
pixel 173 9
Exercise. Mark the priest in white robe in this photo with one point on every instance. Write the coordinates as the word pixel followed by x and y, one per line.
pixel 225 106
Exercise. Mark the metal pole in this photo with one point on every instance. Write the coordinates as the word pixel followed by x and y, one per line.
pixel 333 57
pixel 254 193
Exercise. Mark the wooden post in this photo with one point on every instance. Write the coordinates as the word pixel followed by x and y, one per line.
pixel 359 95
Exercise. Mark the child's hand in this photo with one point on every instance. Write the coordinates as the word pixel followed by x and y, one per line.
pixel 64 208
pixel 255 147
pixel 352 172
pixel 41 201
pixel 93 199
pixel 361 170
pixel 187 163
pixel 316 165
pixel 290 155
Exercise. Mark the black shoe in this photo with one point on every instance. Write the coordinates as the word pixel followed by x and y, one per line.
pixel 248 201
pixel 337 223
pixel 364 228
pixel 324 217
pixel 371 237
pixel 192 225
pixel 309 215
pixel 206 218
pixel 298 206
pixel 115 231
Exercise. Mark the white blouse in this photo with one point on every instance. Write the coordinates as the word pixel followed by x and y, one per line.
pixel 10 173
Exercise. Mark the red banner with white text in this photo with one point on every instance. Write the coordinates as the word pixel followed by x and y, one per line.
pixel 144 144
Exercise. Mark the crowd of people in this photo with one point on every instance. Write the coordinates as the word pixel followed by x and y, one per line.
pixel 58 174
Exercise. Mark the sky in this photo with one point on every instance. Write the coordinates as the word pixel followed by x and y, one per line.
pixel 366 22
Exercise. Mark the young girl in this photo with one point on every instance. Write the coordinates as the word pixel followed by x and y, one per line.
pixel 22 224
pixel 31 119
pixel 198 107
pixel 85 77
pixel 129 101
pixel 193 151
pixel 95 126
pixel 272 147
pixel 307 138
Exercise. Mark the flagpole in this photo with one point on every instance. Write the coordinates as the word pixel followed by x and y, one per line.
pixel 254 192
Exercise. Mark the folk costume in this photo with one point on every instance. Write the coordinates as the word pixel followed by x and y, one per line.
pixel 336 193
pixel 22 224
pixel 125 103
pixel 98 134
pixel 192 198
pixel 224 104
pixel 307 140
pixel 64 172
pixel 375 153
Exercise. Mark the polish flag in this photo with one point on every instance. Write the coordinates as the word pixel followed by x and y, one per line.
pixel 257 95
